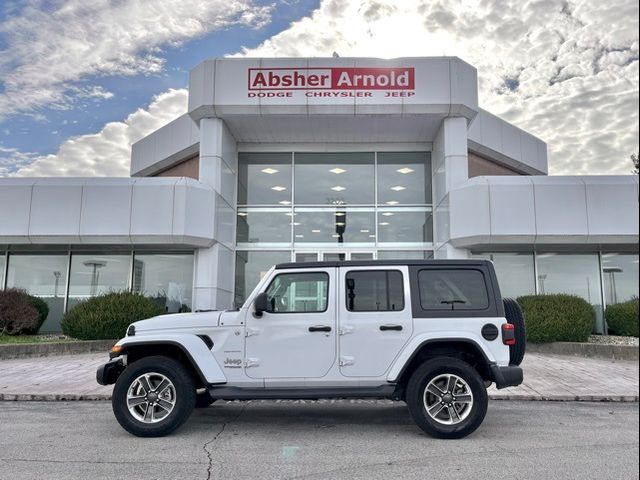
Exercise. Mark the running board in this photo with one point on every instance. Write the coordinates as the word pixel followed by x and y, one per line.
pixel 308 393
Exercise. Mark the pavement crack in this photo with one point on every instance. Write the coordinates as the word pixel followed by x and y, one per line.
pixel 209 452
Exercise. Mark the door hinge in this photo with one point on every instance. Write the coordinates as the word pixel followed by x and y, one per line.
pixel 344 361
pixel 345 329
pixel 251 331
pixel 251 362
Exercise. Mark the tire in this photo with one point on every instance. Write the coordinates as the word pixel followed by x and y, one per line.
pixel 437 372
pixel 172 402
pixel 514 316
pixel 203 400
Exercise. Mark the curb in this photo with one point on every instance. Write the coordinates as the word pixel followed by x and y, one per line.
pixel 27 350
pixel 61 397
pixel 588 350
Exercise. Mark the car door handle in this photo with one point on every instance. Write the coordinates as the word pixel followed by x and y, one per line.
pixel 320 328
pixel 384 328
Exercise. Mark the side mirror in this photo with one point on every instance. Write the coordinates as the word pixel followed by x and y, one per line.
pixel 261 304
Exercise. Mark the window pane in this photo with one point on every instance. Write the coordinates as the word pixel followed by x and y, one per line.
pixel 334 178
pixel 298 292
pixel 452 290
pixel 2 269
pixel 515 272
pixel 404 178
pixel 404 254
pixel 369 291
pixel 93 275
pixel 399 225
pixel 574 274
pixel 165 278
pixel 44 276
pixel 306 257
pixel 334 226
pixel 271 225
pixel 251 267
pixel 264 179
pixel 620 272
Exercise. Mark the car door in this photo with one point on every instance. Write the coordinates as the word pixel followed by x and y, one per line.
pixel 375 319
pixel 296 338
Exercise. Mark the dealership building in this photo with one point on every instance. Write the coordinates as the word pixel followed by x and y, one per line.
pixel 306 159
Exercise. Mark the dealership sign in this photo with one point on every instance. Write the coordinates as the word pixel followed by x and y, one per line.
pixel 329 82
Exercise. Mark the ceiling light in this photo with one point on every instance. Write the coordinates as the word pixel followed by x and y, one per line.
pixel 364 231
pixel 287 202
pixel 340 214
pixel 269 171
pixel 340 224
pixel 387 214
pixel 278 188
pixel 297 224
pixel 398 188
pixel 338 188
pixel 372 236
pixel 299 236
pixel 384 224
pixel 335 235
pixel 403 170
pixel 337 170
pixel 242 214
pixel 390 202
pixel 315 231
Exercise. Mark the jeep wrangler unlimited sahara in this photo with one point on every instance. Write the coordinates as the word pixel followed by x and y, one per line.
pixel 434 334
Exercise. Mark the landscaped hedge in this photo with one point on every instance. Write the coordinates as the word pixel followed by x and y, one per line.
pixel 17 315
pixel 108 316
pixel 43 312
pixel 557 318
pixel 622 318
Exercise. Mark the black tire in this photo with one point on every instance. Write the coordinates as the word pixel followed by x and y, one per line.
pixel 432 369
pixel 514 316
pixel 184 398
pixel 203 400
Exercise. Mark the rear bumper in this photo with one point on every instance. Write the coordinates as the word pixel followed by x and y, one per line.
pixel 108 373
pixel 504 377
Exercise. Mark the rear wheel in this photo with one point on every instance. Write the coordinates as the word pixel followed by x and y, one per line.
pixel 513 314
pixel 447 398
pixel 153 396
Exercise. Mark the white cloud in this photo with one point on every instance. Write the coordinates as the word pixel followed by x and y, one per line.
pixel 106 153
pixel 52 44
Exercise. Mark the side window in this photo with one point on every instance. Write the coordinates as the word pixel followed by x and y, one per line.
pixel 298 292
pixel 374 291
pixel 458 289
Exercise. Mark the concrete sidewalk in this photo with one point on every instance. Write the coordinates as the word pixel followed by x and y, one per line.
pixel 546 377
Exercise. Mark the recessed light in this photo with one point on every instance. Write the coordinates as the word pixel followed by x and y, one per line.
pixel 372 236
pixel 278 188
pixel 390 202
pixel 315 231
pixel 340 224
pixel 285 202
pixel 269 171
pixel 337 170
pixel 289 214
pixel 364 231
pixel 384 224
pixel 405 170
pixel 398 188
pixel 340 214
pixel 338 188
pixel 387 214
pixel 297 224
pixel 242 214
pixel 335 235
pixel 299 236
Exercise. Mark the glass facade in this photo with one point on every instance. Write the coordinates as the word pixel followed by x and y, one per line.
pixel 65 279
pixel 515 271
pixel 340 206
pixel 620 277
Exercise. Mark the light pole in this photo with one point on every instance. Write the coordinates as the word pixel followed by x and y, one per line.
pixel 95 274
pixel 612 280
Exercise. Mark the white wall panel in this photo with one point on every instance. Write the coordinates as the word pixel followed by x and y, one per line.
pixel 55 211
pixel 15 208
pixel 106 210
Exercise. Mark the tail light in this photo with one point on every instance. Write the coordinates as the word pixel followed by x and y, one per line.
pixel 508 334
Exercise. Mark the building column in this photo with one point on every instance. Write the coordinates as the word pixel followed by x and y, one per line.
pixel 214 275
pixel 449 168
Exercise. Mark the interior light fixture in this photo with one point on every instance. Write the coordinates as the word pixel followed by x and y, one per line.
pixel 372 236
pixel 340 224
pixel 387 214
pixel 285 202
pixel 364 231
pixel 297 224
pixel 269 171
pixel 335 235
pixel 390 202
pixel 398 188
pixel 405 170
pixel 315 231
pixel 242 214
pixel 337 170
pixel 340 214
pixel 384 224
pixel 278 188
pixel 338 188
pixel 299 236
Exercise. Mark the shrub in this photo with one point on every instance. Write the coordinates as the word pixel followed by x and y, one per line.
pixel 557 318
pixel 107 316
pixel 17 315
pixel 622 318
pixel 43 312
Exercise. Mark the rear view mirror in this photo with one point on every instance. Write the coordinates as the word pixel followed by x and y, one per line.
pixel 261 304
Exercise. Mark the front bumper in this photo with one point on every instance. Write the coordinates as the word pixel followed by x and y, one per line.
pixel 504 377
pixel 108 373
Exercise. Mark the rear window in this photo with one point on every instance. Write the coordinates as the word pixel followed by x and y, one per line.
pixel 374 291
pixel 454 289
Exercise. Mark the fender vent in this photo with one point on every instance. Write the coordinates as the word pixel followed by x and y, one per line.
pixel 207 341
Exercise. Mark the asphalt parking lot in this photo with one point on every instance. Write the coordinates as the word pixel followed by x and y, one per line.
pixel 320 440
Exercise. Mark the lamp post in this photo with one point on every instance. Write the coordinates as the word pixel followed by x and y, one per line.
pixel 612 280
pixel 95 274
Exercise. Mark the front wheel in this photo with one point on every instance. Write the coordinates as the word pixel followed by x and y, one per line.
pixel 447 398
pixel 153 396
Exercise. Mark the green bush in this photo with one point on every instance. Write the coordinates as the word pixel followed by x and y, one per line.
pixel 43 312
pixel 17 316
pixel 622 318
pixel 557 318
pixel 108 316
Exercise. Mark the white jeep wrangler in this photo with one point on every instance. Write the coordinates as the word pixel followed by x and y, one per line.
pixel 432 333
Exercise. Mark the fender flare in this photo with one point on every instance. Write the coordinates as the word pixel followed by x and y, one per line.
pixel 194 349
pixel 413 347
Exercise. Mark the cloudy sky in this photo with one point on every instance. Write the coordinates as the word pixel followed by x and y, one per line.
pixel 81 80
